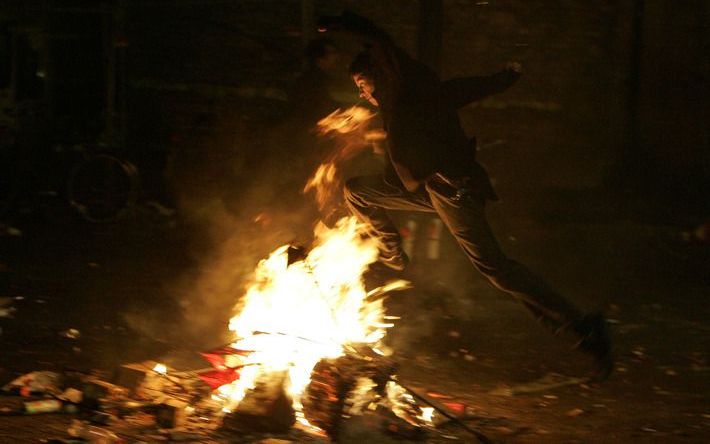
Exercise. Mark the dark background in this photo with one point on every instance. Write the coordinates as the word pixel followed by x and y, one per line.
pixel 600 154
pixel 615 93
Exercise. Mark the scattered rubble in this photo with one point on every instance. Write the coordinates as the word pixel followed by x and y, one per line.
pixel 149 402
pixel 574 412
pixel 71 333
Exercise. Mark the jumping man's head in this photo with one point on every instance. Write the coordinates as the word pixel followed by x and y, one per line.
pixel 362 74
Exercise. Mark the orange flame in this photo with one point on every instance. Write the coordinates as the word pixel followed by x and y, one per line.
pixel 349 126
pixel 294 315
pixel 325 182
pixel 345 121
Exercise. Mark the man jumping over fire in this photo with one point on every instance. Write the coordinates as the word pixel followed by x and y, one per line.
pixel 432 168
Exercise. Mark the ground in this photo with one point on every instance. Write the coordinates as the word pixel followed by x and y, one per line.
pixel 650 279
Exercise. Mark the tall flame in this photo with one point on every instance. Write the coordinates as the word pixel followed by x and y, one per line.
pixel 325 182
pixel 349 126
pixel 294 315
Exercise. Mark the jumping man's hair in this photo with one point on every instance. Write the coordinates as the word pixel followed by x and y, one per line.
pixel 362 64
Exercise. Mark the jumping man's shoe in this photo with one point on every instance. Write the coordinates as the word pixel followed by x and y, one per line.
pixel 597 342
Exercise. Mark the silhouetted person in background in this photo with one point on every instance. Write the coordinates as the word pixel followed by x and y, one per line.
pixel 433 168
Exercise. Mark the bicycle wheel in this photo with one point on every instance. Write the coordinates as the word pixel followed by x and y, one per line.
pixel 102 188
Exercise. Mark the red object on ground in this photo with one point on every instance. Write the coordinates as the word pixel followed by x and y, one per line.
pixel 218 356
pixel 218 378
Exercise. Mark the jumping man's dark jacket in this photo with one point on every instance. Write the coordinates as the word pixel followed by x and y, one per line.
pixel 419 112
pixel 424 131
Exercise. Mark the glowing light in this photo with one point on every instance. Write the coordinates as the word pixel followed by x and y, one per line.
pixel 427 414
pixel 161 369
pixel 294 315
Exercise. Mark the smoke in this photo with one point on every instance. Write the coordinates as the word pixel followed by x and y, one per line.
pixel 263 210
pixel 237 189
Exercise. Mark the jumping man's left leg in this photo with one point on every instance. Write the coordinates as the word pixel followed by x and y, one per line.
pixel 465 218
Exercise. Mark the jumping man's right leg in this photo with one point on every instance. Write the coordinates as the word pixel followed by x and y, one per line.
pixel 367 198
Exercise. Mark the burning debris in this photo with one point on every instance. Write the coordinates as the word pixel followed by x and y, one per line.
pixel 352 384
pixel 305 319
